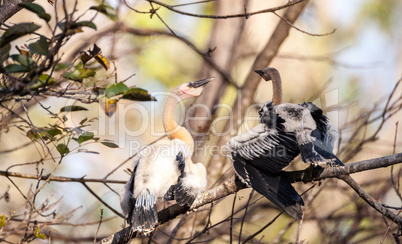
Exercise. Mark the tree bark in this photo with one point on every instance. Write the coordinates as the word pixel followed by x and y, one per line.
pixel 224 43
pixel 10 7
pixel 250 86
pixel 233 185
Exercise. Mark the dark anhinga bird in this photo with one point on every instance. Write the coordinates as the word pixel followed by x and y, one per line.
pixel 165 169
pixel 284 131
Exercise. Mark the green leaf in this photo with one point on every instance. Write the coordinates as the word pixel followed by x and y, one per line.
pixel 17 31
pixel 4 52
pixel 84 24
pixel 16 68
pixel 87 151
pixel 61 66
pixel 85 137
pixel 109 144
pixel 82 122
pixel 26 61
pixel 44 80
pixel 33 135
pixel 63 149
pixel 75 27
pixel 115 89
pixel 107 10
pixel 72 109
pixel 138 94
pixel 80 74
pixel 3 220
pixel 37 9
pixel 40 47
pixel 54 132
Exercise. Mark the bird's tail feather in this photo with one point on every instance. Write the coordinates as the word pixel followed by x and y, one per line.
pixel 277 189
pixel 145 214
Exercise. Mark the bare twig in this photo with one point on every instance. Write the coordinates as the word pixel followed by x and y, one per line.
pixel 59 178
pixel 305 32
pixel 262 229
pixel 100 222
pixel 242 15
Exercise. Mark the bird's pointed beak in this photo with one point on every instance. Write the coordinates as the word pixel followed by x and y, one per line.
pixel 200 83
pixel 259 71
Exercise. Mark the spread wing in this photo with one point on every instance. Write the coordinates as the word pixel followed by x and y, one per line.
pixel 258 156
pixel 268 149
pixel 316 137
pixel 315 151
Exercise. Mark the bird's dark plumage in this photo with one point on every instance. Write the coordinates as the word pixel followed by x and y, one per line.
pixel 325 134
pixel 285 130
pixel 179 192
pixel 142 213
pixel 260 154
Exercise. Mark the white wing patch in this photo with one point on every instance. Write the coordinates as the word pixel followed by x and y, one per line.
pixel 254 142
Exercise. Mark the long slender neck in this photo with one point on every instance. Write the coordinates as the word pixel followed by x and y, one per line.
pixel 172 129
pixel 277 96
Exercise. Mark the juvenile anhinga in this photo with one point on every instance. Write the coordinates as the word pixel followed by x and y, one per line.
pixel 284 131
pixel 165 169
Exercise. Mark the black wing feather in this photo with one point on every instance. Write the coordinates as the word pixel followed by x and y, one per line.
pixel 262 173
pixel 282 152
pixel 317 151
pixel 131 201
pixel 277 189
pixel 320 149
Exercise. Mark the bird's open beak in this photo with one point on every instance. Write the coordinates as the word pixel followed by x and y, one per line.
pixel 199 83
pixel 259 71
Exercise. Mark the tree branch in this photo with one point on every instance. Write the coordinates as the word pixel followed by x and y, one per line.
pixel 242 15
pixel 233 185
pixel 9 8
pixel 337 172
pixel 59 178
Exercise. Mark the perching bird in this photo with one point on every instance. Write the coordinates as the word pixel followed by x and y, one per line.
pixel 260 154
pixel 315 134
pixel 165 169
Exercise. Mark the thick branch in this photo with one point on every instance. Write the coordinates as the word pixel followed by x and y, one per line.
pixel 9 8
pixel 336 172
pixel 232 185
pixel 371 201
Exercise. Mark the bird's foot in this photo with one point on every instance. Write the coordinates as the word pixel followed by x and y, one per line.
pixel 310 171
pixel 335 162
pixel 331 164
